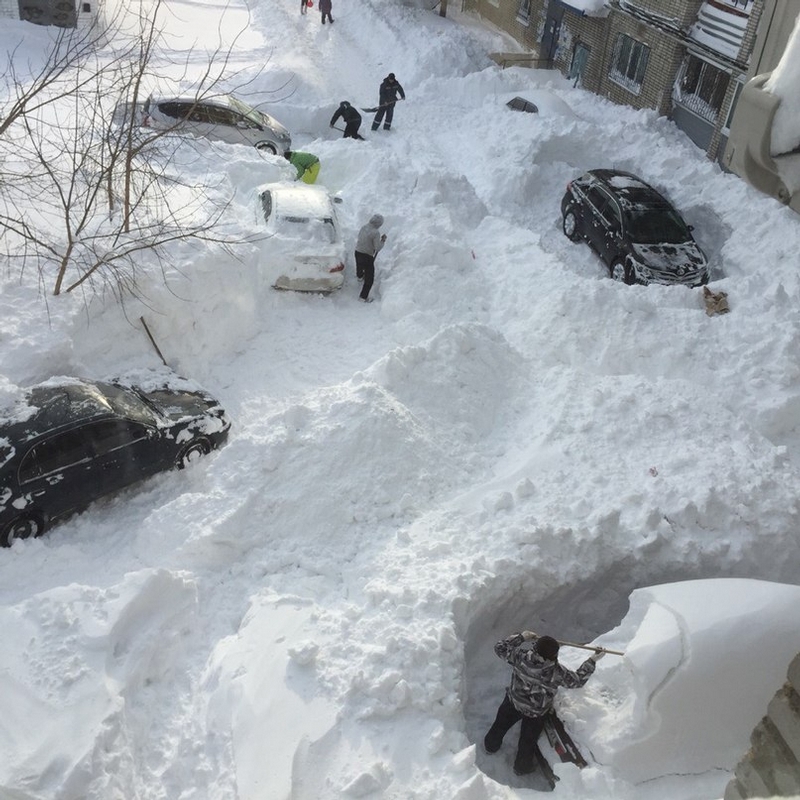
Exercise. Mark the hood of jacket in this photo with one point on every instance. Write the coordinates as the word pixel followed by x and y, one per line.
pixel 376 220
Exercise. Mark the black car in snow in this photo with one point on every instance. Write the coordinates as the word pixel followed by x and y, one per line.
pixel 71 441
pixel 633 228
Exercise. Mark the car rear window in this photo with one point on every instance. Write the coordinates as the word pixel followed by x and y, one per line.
pixel 311 229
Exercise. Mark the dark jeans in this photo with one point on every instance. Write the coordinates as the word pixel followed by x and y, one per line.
pixel 387 123
pixel 531 728
pixel 328 15
pixel 365 268
pixel 351 130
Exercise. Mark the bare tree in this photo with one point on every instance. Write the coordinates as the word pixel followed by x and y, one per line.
pixel 87 195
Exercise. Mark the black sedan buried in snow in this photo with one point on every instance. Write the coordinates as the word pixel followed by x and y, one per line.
pixel 71 441
pixel 634 229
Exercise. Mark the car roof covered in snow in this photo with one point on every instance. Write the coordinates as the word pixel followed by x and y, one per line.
pixel 299 199
pixel 629 188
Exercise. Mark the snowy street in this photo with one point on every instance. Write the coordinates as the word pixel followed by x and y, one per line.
pixel 506 439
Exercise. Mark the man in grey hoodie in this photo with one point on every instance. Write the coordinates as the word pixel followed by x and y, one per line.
pixel 368 245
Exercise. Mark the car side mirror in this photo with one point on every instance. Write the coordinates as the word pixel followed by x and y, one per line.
pixel 337 199
pixel 690 228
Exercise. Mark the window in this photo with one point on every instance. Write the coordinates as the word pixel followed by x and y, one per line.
pixel 732 110
pixel 524 11
pixel 580 56
pixel 266 204
pixel 60 452
pixel 701 88
pixel 220 116
pixel 521 104
pixel 109 435
pixel 629 63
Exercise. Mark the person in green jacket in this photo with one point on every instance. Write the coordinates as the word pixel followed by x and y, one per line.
pixel 306 164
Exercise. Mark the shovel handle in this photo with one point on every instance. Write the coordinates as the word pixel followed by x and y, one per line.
pixel 591 647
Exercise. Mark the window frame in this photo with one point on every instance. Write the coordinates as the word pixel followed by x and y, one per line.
pixel 636 60
pixel 709 88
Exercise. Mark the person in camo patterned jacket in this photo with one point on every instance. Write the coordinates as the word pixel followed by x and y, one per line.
pixel 535 679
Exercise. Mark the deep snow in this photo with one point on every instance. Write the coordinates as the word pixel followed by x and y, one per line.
pixel 506 439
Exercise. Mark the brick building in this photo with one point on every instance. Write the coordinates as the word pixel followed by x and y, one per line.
pixel 686 59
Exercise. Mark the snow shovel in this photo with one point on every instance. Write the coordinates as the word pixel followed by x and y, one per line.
pixel 378 108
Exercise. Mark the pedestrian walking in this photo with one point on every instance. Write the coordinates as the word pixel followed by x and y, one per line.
pixel 368 244
pixel 325 10
pixel 352 120
pixel 303 6
pixel 387 96
pixel 536 677
pixel 306 164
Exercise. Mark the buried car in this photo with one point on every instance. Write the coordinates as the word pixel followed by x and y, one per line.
pixel 304 247
pixel 222 117
pixel 633 228
pixel 70 441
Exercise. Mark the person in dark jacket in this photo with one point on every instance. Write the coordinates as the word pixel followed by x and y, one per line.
pixel 536 677
pixel 368 245
pixel 387 97
pixel 325 8
pixel 352 120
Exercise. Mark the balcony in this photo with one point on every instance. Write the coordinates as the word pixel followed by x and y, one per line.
pixel 721 25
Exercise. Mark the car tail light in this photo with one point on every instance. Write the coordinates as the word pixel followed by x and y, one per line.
pixel 338 268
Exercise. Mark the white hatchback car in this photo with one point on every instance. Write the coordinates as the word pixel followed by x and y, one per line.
pixel 222 117
pixel 304 247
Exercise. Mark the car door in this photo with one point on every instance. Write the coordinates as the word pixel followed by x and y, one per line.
pixel 605 224
pixel 223 124
pixel 596 201
pixel 125 452
pixel 57 474
pixel 610 243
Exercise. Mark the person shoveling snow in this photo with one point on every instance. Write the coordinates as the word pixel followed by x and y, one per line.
pixel 535 679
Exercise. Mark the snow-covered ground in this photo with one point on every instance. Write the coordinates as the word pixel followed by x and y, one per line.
pixel 505 439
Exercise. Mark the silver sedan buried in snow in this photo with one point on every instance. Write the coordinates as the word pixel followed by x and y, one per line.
pixel 303 248
pixel 634 229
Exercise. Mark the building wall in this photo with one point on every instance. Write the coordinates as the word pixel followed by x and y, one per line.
pixel 771 768
pixel 674 13
pixel 503 14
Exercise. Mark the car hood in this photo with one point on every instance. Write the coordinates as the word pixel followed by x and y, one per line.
pixel 670 256
pixel 188 406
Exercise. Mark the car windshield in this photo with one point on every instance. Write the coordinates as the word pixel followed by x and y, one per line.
pixel 311 229
pixel 126 402
pixel 656 226
pixel 246 111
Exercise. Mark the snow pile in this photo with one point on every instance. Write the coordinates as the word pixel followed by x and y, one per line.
pixel 505 439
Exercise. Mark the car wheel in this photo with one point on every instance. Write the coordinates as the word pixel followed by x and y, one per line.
pixel 571 226
pixel 620 271
pixel 267 147
pixel 193 452
pixel 25 526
